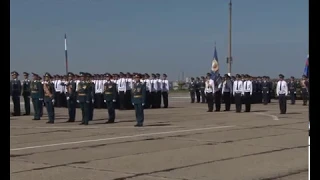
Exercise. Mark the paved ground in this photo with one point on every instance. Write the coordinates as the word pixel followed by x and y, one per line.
pixel 183 142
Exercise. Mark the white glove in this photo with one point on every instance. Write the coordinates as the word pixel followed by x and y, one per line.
pixel 52 101
pixel 132 103
pixel 40 99
pixel 78 101
pixel 104 100
pixel 142 104
pixel 250 94
pixel 295 92
pixel 68 98
pixel 114 100
pixel 267 91
pixel 92 101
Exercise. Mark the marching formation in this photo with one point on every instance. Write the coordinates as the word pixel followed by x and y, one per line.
pixel 117 91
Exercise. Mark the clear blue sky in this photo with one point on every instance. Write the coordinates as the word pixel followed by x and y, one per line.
pixel 171 36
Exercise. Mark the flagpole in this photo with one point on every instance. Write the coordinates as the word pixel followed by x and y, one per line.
pixel 229 59
pixel 66 52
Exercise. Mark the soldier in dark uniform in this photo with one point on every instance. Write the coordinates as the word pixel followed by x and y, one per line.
pixel 304 89
pixel 197 82
pixel 148 87
pixel 71 97
pixel 202 86
pixel 138 99
pixel 259 90
pixel 109 92
pixel 292 90
pixel 15 92
pixel 41 101
pixel 217 93
pixel 83 98
pixel 115 78
pixel 192 90
pixel 26 92
pixel 49 93
pixel 165 90
pixel 265 90
pixel 227 92
pixel 270 87
pixel 91 87
pixel 36 95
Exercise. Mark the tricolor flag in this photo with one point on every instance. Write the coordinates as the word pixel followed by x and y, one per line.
pixel 215 65
pixel 66 52
pixel 306 68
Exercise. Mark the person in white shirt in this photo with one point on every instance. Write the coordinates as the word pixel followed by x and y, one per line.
pixel 121 86
pixel 217 93
pixel 153 91
pixel 227 92
pixel 115 78
pixel 209 91
pixel 98 82
pixel 238 92
pixel 128 79
pixel 159 89
pixel 247 89
pixel 282 92
pixel 165 90
pixel 148 97
pixel 58 90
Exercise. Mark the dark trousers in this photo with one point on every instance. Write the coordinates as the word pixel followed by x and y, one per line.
pixel 209 97
pixel 265 97
pixel 121 100
pixel 71 109
pixel 139 113
pixel 27 104
pixel 127 100
pixel 165 99
pixel 192 96
pixel 91 109
pixel 283 103
pixel 292 97
pixel 111 111
pixel 57 99
pixel 304 96
pixel 203 96
pixel 50 110
pixel 158 99
pixel 98 100
pixel 237 101
pixel 198 95
pixel 227 100
pixel 63 100
pixel 247 101
pixel 16 105
pixel 41 107
pixel 147 104
pixel 84 106
pixel 217 100
pixel 153 99
pixel 36 107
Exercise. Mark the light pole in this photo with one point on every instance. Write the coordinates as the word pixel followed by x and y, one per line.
pixel 229 58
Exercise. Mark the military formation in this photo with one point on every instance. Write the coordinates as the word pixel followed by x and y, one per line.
pixel 247 90
pixel 86 91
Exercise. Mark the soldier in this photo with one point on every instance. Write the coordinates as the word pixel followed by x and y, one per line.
pixel 304 89
pixel 202 87
pixel 217 93
pixel 98 85
pixel 71 97
pixel 159 89
pixel 265 90
pixel 36 95
pixel 258 90
pixel 115 79
pixel 48 89
pixel 15 93
pixel 270 87
pixel 58 91
pixel 138 99
pixel 197 84
pixel 209 90
pixel 192 90
pixel 282 92
pixel 41 101
pixel 91 87
pixel 165 90
pixel 129 83
pixel 247 93
pixel 147 83
pixel 109 92
pixel 83 98
pixel 227 92
pixel 154 88
pixel 238 92
pixel 121 84
pixel 26 92
pixel 292 90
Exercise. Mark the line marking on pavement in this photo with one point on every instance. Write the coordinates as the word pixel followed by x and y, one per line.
pixel 272 116
pixel 180 97
pixel 89 127
pixel 120 137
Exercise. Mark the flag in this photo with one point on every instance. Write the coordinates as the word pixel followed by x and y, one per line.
pixel 215 64
pixel 306 68
pixel 66 52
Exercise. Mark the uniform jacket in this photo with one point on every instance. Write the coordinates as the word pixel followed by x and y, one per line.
pixel 51 88
pixel 36 89
pixel 109 91
pixel 138 93
pixel 15 87
pixel 83 92
pixel 26 90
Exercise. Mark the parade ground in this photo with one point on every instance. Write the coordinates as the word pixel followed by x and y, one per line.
pixel 183 142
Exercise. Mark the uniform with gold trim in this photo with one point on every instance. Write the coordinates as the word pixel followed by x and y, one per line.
pixel 15 92
pixel 36 95
pixel 71 97
pixel 109 92
pixel 49 93
pixel 83 98
pixel 26 92
pixel 138 99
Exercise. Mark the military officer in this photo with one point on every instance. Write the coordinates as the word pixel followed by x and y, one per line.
pixel 121 86
pixel 26 92
pixel 109 92
pixel 202 87
pixel 36 95
pixel 265 90
pixel 98 85
pixel 304 89
pixel 138 99
pixel 71 97
pixel 247 93
pixel 84 98
pixel 165 90
pixel 217 93
pixel 292 90
pixel 238 92
pixel 270 87
pixel 49 93
pixel 91 87
pixel 227 92
pixel 282 92
pixel 197 84
pixel 41 101
pixel 147 83
pixel 127 97
pixel 15 92
pixel 209 90
pixel 58 90
pixel 192 89
pixel 159 89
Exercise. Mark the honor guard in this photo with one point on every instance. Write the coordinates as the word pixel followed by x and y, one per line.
pixel 71 97
pixel 83 98
pixel 159 89
pixel 98 82
pixel 227 92
pixel 91 87
pixel 147 83
pixel 58 90
pixel 64 80
pixel 153 91
pixel 202 87
pixel 304 89
pixel 292 90
pixel 209 91
pixel 217 93
pixel 247 93
pixel 192 89
pixel 238 92
pixel 138 99
pixel 15 93
pixel 165 90
pixel 121 86
pixel 282 92
pixel 265 90
pixel 48 89
pixel 26 93
pixel 115 79
pixel 109 93
pixel 127 96
pixel 36 95
pixel 197 82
